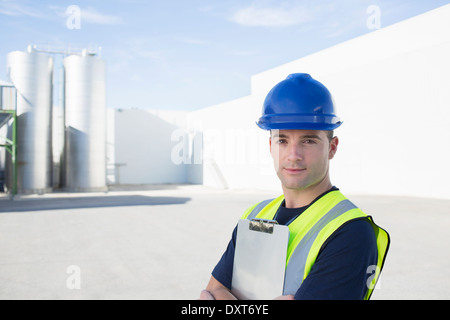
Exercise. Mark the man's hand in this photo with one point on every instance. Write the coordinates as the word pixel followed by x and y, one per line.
pixel 287 297
pixel 206 295
pixel 217 291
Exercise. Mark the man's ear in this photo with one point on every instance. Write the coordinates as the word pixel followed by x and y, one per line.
pixel 333 147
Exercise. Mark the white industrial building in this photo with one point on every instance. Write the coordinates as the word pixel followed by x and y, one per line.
pixel 391 87
pixel 392 90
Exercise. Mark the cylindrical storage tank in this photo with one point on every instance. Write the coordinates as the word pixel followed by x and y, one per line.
pixel 31 74
pixel 85 121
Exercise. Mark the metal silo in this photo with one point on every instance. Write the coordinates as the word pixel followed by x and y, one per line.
pixel 31 73
pixel 85 121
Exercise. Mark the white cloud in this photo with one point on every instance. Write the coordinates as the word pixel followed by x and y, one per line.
pixel 15 9
pixel 190 40
pixel 280 16
pixel 90 15
pixel 134 48
pixel 243 52
pixel 141 47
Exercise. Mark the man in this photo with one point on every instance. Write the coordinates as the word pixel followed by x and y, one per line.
pixel 335 251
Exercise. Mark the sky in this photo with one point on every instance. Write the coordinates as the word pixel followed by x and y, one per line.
pixel 191 54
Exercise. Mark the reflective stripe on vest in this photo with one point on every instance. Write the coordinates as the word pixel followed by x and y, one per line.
pixel 311 229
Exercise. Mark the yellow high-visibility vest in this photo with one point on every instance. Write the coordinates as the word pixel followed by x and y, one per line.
pixel 310 230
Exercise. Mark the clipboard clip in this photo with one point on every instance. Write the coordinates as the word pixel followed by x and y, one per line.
pixel 262 225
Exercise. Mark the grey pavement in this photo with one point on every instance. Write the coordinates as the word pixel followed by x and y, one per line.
pixel 161 242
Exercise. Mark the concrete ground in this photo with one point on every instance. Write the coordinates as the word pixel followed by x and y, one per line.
pixel 161 242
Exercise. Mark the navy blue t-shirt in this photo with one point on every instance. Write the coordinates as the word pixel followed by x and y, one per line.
pixel 341 268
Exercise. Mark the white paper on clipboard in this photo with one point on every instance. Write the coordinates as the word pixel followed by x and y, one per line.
pixel 259 259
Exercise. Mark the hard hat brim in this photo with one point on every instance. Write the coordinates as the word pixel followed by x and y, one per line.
pixel 299 122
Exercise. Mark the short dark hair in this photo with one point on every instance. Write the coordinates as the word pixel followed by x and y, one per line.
pixel 330 134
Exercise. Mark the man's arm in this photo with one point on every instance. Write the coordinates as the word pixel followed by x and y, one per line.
pixel 216 291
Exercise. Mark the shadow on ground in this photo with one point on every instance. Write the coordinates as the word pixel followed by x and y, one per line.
pixel 87 202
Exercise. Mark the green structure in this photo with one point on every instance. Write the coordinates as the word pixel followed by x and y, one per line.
pixel 9 144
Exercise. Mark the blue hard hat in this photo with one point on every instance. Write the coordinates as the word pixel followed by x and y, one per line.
pixel 299 102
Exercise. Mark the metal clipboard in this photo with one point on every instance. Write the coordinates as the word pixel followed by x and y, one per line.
pixel 259 259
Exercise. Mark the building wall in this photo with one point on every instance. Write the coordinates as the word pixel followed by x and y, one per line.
pixel 391 88
pixel 235 151
pixel 139 149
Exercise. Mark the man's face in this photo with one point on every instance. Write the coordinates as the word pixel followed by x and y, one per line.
pixel 301 157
